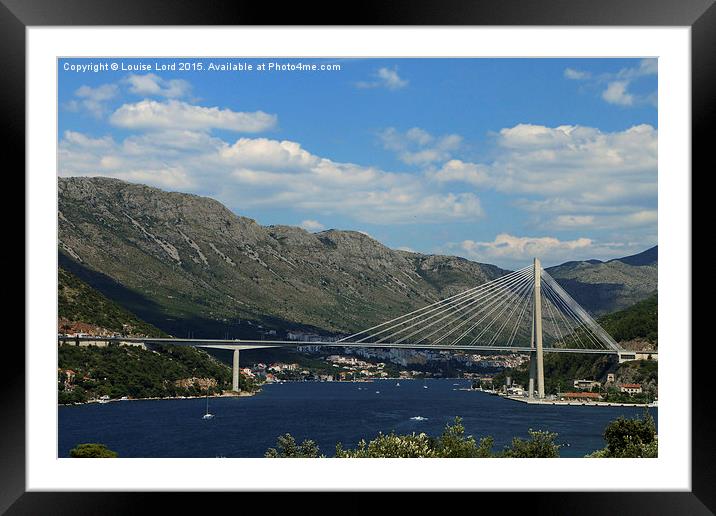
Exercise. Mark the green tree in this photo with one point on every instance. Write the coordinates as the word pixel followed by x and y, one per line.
pixel 540 444
pixel 286 447
pixel 92 450
pixel 391 446
pixel 626 437
pixel 453 443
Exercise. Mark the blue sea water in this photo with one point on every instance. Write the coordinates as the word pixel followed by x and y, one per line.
pixel 328 413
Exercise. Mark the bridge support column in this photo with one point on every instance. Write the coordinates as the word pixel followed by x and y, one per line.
pixel 533 371
pixel 537 328
pixel 235 371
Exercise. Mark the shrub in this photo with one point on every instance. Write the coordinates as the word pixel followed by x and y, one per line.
pixel 92 450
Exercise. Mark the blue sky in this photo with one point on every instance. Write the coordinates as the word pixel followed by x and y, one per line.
pixel 496 160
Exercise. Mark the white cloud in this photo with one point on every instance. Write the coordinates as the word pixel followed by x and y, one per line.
pixel 418 147
pixel 93 100
pixel 312 225
pixel 617 90
pixel 259 172
pixel 572 221
pixel 153 85
pixel 385 78
pixel 581 162
pixel 456 170
pixel 513 251
pixel 625 218
pixel 174 114
pixel 581 176
pixel 576 75
pixel 616 93
pixel 648 66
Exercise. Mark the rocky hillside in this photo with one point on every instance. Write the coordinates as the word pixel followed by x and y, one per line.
pixel 186 262
pixel 603 287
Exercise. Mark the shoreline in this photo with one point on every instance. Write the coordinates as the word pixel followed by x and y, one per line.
pixel 241 394
pixel 522 399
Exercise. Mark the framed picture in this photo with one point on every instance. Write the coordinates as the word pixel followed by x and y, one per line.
pixel 452 212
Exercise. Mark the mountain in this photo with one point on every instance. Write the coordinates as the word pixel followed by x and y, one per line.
pixel 604 287
pixel 648 257
pixel 186 263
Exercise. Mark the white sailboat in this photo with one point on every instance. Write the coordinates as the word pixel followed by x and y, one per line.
pixel 208 415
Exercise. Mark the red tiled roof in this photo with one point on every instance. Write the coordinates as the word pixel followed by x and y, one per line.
pixel 582 395
pixel 631 385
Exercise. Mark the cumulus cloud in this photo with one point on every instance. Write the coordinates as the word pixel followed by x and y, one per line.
pixel 385 78
pixel 256 172
pixel 312 225
pixel 93 100
pixel 174 114
pixel 418 147
pixel 153 85
pixel 456 170
pixel 581 176
pixel 583 164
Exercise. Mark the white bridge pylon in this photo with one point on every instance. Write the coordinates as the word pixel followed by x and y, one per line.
pixel 500 314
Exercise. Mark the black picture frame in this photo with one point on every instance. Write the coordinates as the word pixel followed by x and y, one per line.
pixel 17 15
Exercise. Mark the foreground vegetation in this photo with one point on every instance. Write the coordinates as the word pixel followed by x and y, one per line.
pixel 624 438
pixel 630 438
pixel 117 371
pixel 92 451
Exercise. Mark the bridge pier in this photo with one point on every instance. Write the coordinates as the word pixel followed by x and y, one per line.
pixel 533 372
pixel 235 372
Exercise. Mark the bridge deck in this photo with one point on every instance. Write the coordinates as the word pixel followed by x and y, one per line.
pixel 258 344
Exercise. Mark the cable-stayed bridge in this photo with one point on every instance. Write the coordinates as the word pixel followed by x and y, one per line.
pixel 525 311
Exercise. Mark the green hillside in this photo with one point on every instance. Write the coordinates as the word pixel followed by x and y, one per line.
pixel 89 372
pixel 638 322
pixel 134 372
pixel 77 302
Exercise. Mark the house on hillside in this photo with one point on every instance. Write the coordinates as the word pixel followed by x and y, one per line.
pixel 587 384
pixel 631 388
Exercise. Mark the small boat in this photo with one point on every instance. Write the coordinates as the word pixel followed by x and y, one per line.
pixel 397 384
pixel 419 418
pixel 207 415
pixel 377 392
